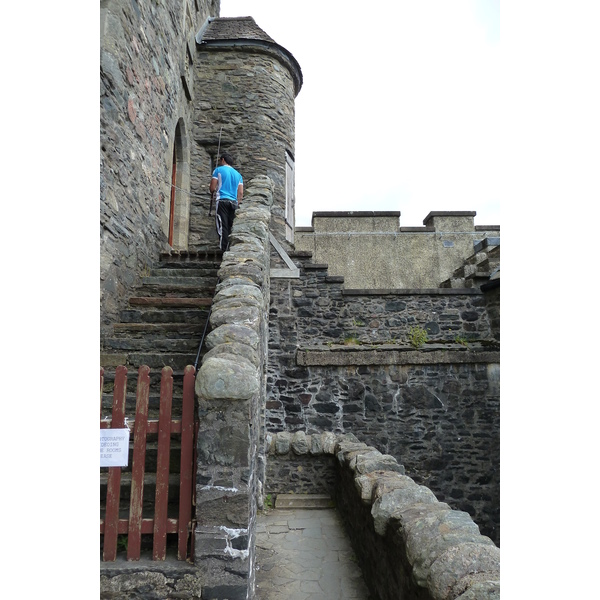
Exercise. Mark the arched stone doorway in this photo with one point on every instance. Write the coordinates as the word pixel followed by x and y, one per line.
pixel 179 200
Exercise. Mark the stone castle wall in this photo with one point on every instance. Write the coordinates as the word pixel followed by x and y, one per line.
pixel 371 250
pixel 246 97
pixel 145 94
pixel 436 408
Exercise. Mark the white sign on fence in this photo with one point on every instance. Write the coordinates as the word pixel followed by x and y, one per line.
pixel 114 447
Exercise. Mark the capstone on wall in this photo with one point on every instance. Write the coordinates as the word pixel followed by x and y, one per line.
pixel 146 103
pixel 370 249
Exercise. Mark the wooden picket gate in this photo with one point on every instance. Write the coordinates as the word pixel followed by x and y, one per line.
pixel 160 525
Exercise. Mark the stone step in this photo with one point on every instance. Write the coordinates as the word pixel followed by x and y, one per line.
pixel 131 394
pixel 178 281
pixel 149 479
pixel 151 344
pixel 192 259
pixel 152 330
pixel 131 403
pixel 154 360
pixel 303 501
pixel 179 272
pixel 149 493
pixel 477 279
pixel 487 243
pixel 454 283
pixel 158 360
pixel 169 301
pixel 489 264
pixel 178 288
pixel 172 314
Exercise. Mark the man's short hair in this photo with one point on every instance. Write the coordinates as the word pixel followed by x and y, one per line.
pixel 227 158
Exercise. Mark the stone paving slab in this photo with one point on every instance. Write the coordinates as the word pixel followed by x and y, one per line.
pixel 304 554
pixel 303 501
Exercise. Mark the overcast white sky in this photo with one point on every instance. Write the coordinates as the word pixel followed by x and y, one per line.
pixel 399 107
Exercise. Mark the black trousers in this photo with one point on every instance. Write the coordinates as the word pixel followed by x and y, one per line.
pixel 225 214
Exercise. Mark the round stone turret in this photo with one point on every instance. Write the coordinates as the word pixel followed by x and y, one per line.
pixel 245 90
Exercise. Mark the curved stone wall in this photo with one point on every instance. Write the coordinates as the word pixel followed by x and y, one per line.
pixel 408 543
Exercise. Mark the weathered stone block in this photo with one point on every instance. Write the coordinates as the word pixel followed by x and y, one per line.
pixel 283 442
pixel 234 349
pixel 232 333
pixel 227 510
pixel 383 462
pixel 300 443
pixel 429 535
pixel 225 377
pixel 388 505
pixel 249 315
pixel 482 590
pixel 458 562
pixel 345 449
pixel 329 442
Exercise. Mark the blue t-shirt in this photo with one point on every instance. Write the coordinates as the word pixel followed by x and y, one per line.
pixel 228 180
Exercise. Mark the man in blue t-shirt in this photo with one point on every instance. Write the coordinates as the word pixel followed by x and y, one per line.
pixel 228 186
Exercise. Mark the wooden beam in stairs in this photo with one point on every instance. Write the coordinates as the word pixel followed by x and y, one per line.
pixel 170 302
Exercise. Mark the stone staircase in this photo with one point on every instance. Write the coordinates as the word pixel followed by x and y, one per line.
pixel 165 319
pixel 162 326
pixel 483 264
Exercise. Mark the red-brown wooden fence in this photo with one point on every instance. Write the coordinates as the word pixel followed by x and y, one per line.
pixel 159 526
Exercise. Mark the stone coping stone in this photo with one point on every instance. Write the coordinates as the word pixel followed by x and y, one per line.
pixel 487 227
pixel 357 355
pixel 357 213
pixel 412 292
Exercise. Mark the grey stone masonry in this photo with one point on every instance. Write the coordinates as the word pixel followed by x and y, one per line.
pixel 245 104
pixel 408 543
pixel 342 360
pixel 230 387
pixel 370 250
pixel 146 115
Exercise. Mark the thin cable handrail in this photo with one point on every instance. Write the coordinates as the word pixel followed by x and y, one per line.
pixel 204 334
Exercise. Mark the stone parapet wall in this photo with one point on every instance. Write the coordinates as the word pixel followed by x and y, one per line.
pixel 230 387
pixel 409 544
pixel 300 464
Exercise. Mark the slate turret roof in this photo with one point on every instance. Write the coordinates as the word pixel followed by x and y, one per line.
pixel 235 28
pixel 244 32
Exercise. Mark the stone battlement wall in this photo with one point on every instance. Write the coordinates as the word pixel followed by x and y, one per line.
pixel 369 249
